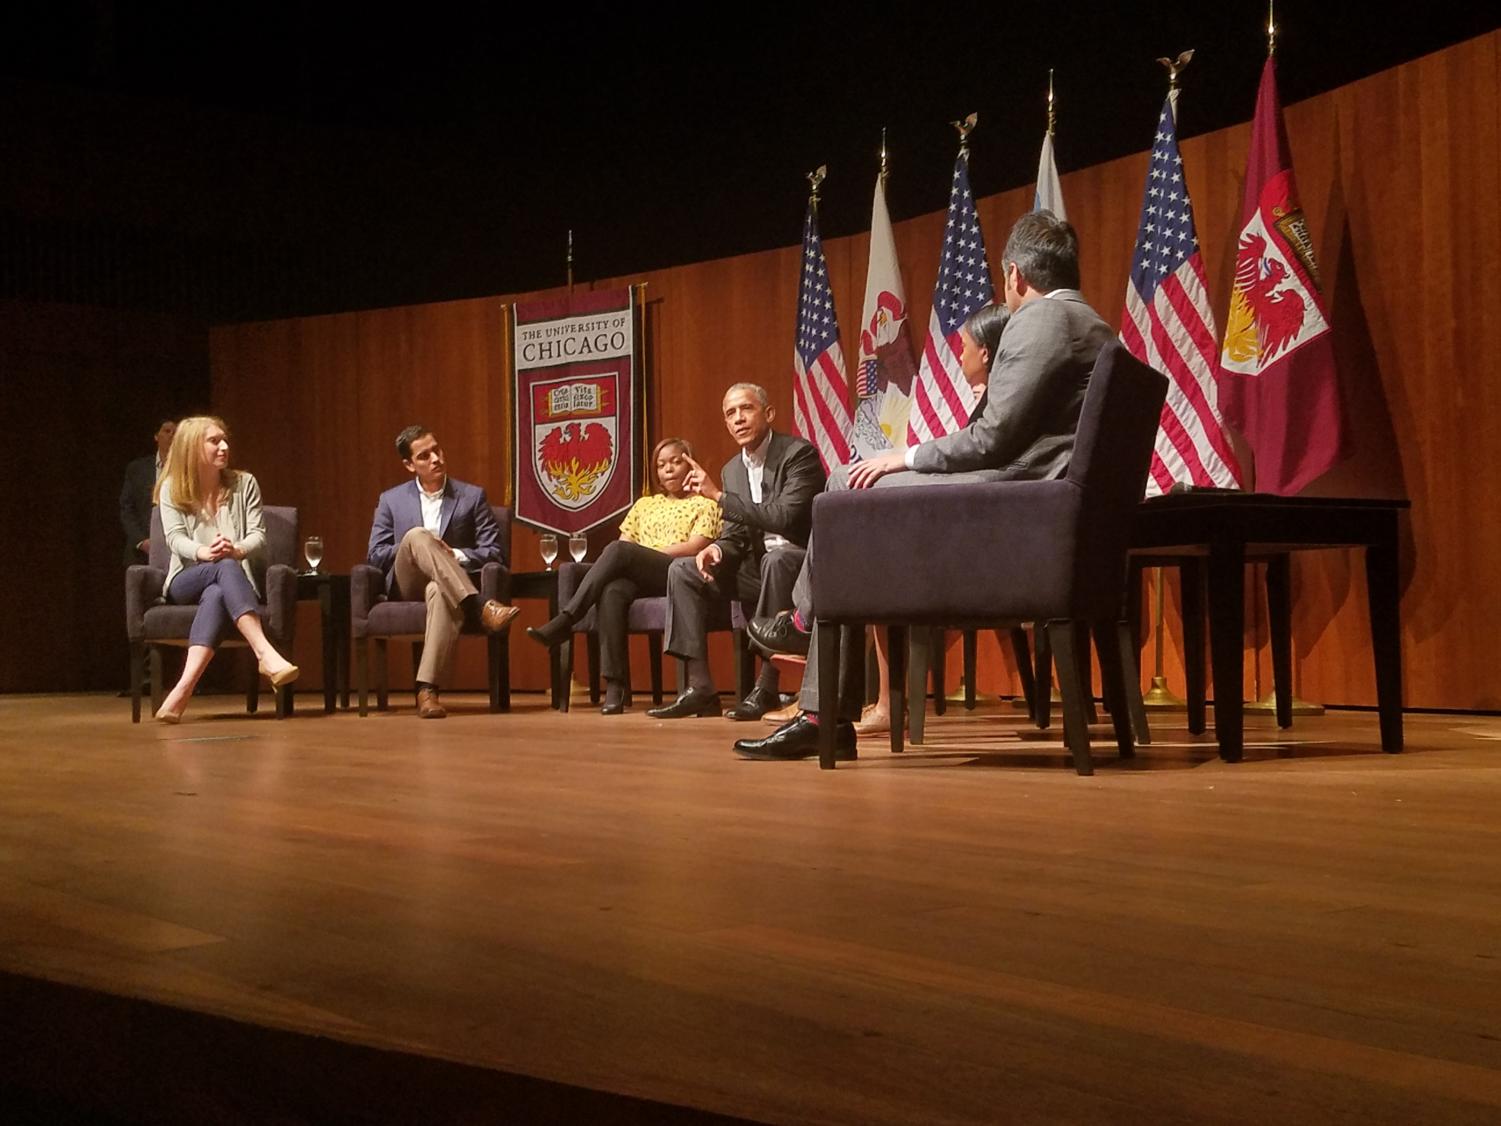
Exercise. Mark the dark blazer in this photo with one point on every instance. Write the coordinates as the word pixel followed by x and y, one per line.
pixel 1030 412
pixel 136 506
pixel 793 477
pixel 466 524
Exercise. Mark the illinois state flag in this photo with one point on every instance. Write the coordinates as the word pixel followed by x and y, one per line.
pixel 1277 379
pixel 886 363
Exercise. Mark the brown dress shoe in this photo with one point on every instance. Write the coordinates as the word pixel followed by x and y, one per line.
pixel 783 715
pixel 428 704
pixel 495 616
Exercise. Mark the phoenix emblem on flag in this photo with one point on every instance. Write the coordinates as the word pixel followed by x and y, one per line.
pixel 885 354
pixel 1272 305
pixel 574 459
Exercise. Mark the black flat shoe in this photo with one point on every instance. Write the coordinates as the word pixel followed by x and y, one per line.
pixel 552 633
pixel 694 703
pixel 754 706
pixel 778 635
pixel 798 739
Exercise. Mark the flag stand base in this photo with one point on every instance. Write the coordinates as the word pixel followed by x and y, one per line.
pixel 1268 703
pixel 1162 698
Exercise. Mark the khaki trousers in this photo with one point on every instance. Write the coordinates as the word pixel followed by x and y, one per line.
pixel 424 564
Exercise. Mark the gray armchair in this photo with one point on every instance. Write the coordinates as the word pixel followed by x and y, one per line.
pixel 376 618
pixel 999 554
pixel 152 624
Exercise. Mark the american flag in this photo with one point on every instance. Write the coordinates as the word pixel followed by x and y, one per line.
pixel 941 398
pixel 820 387
pixel 1169 325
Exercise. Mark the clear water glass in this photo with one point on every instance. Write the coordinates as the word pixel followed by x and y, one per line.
pixel 549 545
pixel 312 550
pixel 578 546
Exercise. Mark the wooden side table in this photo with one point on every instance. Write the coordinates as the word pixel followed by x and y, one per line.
pixel 332 595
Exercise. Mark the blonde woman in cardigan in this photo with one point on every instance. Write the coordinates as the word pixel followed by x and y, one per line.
pixel 212 522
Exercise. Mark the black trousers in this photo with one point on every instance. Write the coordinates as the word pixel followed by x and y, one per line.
pixel 624 572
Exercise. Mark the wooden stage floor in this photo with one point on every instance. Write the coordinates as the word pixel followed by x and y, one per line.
pixel 618 907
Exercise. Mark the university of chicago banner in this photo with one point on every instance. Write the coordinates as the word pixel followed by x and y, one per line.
pixel 577 396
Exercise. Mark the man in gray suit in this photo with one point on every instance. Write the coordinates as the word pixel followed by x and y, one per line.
pixel 1023 431
pixel 767 503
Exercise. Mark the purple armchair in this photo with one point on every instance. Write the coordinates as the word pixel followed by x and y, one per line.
pixel 375 618
pixel 1003 553
pixel 647 616
pixel 152 624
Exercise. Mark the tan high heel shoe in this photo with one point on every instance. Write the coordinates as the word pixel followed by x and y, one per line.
pixel 285 676
pixel 163 715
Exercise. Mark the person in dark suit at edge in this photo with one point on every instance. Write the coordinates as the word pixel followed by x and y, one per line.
pixel 1023 431
pixel 135 493
pixel 429 536
pixel 766 500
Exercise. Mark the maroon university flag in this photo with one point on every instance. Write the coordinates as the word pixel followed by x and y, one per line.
pixel 578 403
pixel 1277 380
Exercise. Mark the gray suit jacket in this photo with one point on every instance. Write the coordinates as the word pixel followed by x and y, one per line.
pixel 1025 427
pixel 793 477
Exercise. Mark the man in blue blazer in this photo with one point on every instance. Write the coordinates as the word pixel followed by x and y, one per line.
pixel 429 535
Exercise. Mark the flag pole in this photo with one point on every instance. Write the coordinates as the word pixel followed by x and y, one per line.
pixel 1052 115
pixel 1268 702
pixel 570 261
pixel 959 694
pixel 1160 696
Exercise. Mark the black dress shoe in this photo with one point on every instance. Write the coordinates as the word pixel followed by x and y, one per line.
pixel 798 738
pixel 612 709
pixel 758 703
pixel 778 635
pixel 693 702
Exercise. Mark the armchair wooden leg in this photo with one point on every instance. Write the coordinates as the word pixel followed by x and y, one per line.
pixel 1066 639
pixel 1042 689
pixel 1116 686
pixel 1022 652
pixel 920 648
pixel 1131 679
pixel 562 670
pixel 827 638
pixel 502 700
pixel 154 663
pixel 593 671
pixel 362 673
pixel 282 701
pixel 654 655
pixel 497 656
pixel 938 668
pixel 1191 584
pixel 1279 612
pixel 896 679
pixel 137 672
pixel 745 665
pixel 971 661
pixel 382 674
pixel 253 685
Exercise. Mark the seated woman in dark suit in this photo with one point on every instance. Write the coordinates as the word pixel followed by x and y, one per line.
pixel 212 522
pixel 659 527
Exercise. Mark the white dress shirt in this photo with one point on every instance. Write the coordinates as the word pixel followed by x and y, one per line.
pixel 755 471
pixel 432 513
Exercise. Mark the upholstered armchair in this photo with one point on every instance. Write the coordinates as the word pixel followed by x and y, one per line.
pixel 998 554
pixel 379 620
pixel 647 616
pixel 151 624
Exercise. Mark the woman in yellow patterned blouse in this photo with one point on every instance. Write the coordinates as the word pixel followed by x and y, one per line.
pixel 659 527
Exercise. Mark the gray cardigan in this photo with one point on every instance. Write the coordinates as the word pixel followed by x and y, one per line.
pixel 239 518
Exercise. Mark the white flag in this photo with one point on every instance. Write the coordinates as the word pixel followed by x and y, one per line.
pixel 1049 191
pixel 886 368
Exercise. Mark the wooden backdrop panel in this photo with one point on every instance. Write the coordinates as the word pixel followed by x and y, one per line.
pixel 1397 174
